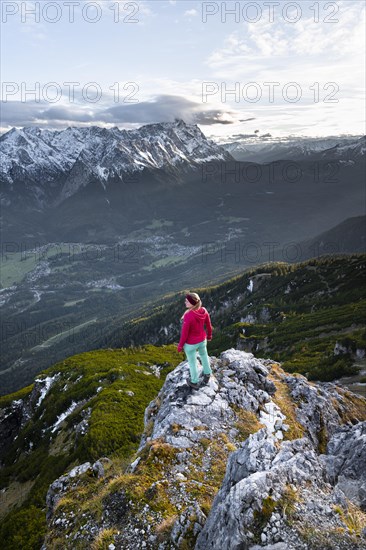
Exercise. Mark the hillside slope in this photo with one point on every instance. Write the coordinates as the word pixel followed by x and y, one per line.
pixel 308 315
pixel 256 456
pixel 67 298
pixel 82 408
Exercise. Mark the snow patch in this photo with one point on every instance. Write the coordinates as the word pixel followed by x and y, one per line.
pixel 47 384
pixel 64 415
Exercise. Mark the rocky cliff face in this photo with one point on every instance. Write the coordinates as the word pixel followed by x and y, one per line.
pixel 255 459
pixel 15 416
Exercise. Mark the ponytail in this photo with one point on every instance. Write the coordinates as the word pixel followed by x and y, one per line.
pixel 195 297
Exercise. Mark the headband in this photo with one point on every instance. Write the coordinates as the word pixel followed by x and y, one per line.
pixel 191 300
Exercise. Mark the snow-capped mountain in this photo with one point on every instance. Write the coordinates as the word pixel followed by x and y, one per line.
pixel 52 165
pixel 353 150
pixel 269 150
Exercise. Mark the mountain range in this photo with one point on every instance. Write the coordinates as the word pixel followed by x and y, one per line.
pixel 250 149
pixel 96 185
pixel 56 164
pixel 51 162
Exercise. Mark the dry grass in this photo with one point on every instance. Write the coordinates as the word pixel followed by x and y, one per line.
pixel 353 518
pixel 148 484
pixel 288 500
pixel 104 539
pixel 247 423
pixel 88 495
pixel 176 428
pixel 354 409
pixel 200 428
pixel 66 504
pixel 164 528
pixel 283 399
pixel 149 428
pixel 63 443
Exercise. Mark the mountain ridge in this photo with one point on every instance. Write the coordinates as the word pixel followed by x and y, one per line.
pixel 98 153
pixel 265 150
pixel 256 443
pixel 270 309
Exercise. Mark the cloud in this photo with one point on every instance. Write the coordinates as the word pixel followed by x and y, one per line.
pixel 324 60
pixel 207 118
pixel 167 108
pixel 291 47
pixel 162 108
pixel 191 13
pixel 31 113
pixel 172 71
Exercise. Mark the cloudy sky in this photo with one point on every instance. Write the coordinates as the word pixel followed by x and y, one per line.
pixel 249 68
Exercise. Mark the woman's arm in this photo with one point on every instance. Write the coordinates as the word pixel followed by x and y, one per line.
pixel 208 326
pixel 184 333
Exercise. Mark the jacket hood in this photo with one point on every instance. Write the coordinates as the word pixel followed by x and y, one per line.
pixel 201 312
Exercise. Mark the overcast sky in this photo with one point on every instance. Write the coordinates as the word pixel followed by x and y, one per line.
pixel 283 68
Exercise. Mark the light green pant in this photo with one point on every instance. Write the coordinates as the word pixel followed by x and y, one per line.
pixel 191 353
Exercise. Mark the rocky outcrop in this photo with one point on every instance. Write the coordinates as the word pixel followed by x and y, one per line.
pixel 10 424
pixel 206 412
pixel 357 353
pixel 15 416
pixel 283 498
pixel 345 462
pixel 255 459
pixel 61 485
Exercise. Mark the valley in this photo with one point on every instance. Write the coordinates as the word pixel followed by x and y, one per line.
pixel 86 250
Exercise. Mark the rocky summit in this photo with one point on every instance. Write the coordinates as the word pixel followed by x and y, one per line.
pixel 257 458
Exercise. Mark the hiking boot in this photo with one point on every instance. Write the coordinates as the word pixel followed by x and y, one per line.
pixel 206 378
pixel 194 385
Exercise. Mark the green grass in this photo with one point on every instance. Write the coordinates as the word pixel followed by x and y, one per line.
pixel 16 265
pixel 6 400
pixel 164 262
pixel 64 334
pixel 304 343
pixel 115 425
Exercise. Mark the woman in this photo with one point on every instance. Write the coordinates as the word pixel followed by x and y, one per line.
pixel 193 337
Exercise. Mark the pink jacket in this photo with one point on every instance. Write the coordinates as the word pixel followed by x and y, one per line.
pixel 192 329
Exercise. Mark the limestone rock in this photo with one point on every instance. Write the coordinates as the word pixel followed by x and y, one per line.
pixel 276 493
